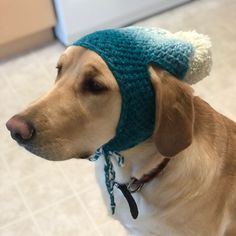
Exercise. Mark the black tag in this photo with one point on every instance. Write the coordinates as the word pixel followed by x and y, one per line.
pixel 132 204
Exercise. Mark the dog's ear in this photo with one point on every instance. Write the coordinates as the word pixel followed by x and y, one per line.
pixel 174 112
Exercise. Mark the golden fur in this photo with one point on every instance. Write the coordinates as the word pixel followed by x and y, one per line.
pixel 195 194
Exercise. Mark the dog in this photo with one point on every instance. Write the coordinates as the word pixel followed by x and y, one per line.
pixel 194 194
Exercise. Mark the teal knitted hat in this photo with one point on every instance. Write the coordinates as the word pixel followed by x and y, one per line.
pixel 128 52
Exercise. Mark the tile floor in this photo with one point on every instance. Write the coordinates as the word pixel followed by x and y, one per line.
pixel 38 197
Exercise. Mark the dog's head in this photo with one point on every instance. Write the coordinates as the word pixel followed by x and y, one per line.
pixel 81 112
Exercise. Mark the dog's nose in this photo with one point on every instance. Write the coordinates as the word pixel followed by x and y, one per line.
pixel 21 130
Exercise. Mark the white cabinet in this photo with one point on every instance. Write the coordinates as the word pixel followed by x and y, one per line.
pixel 79 17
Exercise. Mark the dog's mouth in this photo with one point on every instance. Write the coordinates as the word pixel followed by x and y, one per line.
pixel 44 141
pixel 84 156
pixel 40 152
pixel 52 152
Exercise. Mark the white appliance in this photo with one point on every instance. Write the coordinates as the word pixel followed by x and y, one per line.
pixel 80 17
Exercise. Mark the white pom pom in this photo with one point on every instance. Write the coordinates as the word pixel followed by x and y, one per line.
pixel 201 61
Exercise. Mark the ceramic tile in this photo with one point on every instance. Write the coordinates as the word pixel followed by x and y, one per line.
pixel 9 101
pixel 45 188
pixel 20 59
pixel 6 142
pixel 9 105
pixel 48 56
pixel 28 80
pixel 5 175
pixel 11 205
pixel 22 163
pixel 81 173
pixel 113 227
pixel 66 218
pixel 94 233
pixel 24 227
pixel 95 205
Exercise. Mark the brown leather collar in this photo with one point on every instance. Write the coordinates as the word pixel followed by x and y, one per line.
pixel 136 185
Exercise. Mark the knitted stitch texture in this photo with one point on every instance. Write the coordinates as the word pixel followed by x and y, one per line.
pixel 128 52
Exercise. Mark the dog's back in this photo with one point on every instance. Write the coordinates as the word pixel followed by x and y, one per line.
pixel 219 133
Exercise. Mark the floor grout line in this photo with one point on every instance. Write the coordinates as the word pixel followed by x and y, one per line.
pixel 81 202
pixel 29 176
pixel 36 211
pixel 13 91
pixel 17 181
pixel 13 222
pixel 52 204
pixel 25 204
pixel 30 212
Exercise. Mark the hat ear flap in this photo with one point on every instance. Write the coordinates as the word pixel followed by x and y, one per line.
pixel 174 113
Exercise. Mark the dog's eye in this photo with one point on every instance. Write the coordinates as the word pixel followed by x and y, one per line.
pixel 59 68
pixel 93 86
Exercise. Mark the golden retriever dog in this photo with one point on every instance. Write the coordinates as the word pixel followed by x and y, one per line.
pixel 194 195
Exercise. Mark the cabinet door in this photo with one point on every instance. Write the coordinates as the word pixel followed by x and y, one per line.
pixel 20 18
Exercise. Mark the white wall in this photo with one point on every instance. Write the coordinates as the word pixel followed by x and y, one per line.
pixel 79 17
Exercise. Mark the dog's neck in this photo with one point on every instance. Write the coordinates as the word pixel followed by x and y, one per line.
pixel 189 177
pixel 139 160
pixel 186 167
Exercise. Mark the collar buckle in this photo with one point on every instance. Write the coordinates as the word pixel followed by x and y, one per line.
pixel 134 185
